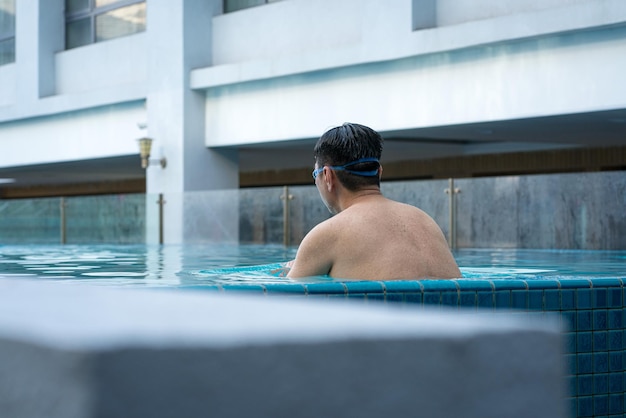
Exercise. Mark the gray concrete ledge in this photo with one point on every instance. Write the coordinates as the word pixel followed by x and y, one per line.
pixel 83 351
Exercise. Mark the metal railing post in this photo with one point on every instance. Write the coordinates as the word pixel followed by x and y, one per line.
pixel 161 202
pixel 451 191
pixel 286 197
pixel 63 228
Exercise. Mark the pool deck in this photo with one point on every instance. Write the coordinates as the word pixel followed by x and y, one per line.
pixel 71 350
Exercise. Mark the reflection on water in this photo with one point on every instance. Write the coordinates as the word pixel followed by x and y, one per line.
pixel 203 265
pixel 136 265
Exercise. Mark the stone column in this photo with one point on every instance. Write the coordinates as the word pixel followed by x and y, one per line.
pixel 37 38
pixel 179 38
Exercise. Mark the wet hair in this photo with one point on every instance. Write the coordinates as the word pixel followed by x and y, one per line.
pixel 345 144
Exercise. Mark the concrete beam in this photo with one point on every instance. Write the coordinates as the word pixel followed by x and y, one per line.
pixel 83 351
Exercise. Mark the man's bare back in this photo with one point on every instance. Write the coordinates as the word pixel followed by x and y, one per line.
pixel 379 239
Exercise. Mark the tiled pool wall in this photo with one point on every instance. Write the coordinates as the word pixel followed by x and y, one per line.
pixel 591 311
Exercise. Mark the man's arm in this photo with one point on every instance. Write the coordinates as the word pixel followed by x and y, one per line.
pixel 315 255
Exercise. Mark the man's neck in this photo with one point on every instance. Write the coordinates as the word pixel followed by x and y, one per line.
pixel 353 198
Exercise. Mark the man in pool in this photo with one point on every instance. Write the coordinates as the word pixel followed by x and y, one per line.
pixel 369 237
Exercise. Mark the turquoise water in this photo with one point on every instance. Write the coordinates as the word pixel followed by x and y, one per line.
pixel 197 265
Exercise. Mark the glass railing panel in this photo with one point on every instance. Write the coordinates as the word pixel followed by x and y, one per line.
pixel 209 216
pixel 30 221
pixel 428 195
pixel 119 219
pixel 261 215
pixel 306 210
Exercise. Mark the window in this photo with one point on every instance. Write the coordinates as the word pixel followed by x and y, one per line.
pixel 89 21
pixel 234 5
pixel 7 31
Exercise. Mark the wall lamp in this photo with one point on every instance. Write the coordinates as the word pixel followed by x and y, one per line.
pixel 145 145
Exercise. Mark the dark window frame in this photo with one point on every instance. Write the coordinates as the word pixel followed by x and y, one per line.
pixel 92 12
pixel 9 36
pixel 262 3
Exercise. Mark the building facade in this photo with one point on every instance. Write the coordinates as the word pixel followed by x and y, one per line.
pixel 235 93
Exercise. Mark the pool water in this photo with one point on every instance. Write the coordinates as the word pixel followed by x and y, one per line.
pixel 197 265
pixel 585 290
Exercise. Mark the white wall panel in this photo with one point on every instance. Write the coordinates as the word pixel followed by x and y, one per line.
pixel 96 133
pixel 549 76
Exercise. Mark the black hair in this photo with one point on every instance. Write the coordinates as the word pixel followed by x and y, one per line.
pixel 347 143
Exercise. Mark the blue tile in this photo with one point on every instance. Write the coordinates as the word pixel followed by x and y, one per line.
pixel 571 383
pixel 600 319
pixel 376 296
pixel 568 320
pixel 568 299
pixel 519 299
pixel 432 298
pixel 600 341
pixel 403 286
pixel 584 363
pixel 331 288
pixel 356 296
pixel 583 299
pixel 552 300
pixel 297 288
pixel 570 342
pixel 475 285
pixel 509 284
pixel 414 298
pixel 439 285
pixel 257 288
pixel 450 299
pixel 584 321
pixel 543 284
pixel 600 384
pixel 535 299
pixel 600 298
pixel 394 297
pixel 333 295
pixel 601 363
pixel 485 300
pixel 616 404
pixel 615 340
pixel 616 319
pixel 600 405
pixel 502 299
pixel 607 282
pixel 616 362
pixel 364 287
pixel 575 284
pixel 616 383
pixel 584 342
pixel 615 297
pixel 585 406
pixel 585 385
pixel 468 298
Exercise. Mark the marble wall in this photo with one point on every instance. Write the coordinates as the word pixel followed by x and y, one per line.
pixel 569 211
pixel 110 219
pixel 560 211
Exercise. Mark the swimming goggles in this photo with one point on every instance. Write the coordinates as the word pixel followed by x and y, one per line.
pixel 370 173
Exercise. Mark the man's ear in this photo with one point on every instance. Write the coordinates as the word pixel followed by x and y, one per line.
pixel 380 171
pixel 329 178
